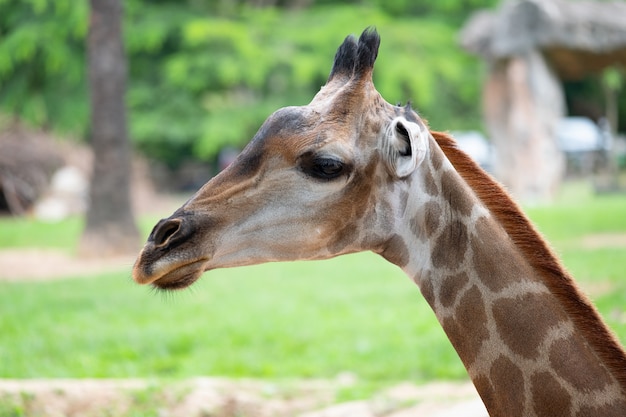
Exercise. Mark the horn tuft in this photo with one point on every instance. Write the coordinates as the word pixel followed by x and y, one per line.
pixel 367 51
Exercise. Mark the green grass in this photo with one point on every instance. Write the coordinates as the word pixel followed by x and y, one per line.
pixel 24 232
pixel 578 212
pixel 354 314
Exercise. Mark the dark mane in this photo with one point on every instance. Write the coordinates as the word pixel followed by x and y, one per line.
pixel 541 257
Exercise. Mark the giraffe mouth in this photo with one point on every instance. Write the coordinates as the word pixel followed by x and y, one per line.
pixel 181 276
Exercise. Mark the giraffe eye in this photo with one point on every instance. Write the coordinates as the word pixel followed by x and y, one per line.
pixel 323 168
pixel 328 168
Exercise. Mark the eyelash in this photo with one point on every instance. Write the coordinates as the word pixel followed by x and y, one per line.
pixel 323 168
pixel 327 168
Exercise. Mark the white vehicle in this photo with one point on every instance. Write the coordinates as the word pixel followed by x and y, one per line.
pixel 580 134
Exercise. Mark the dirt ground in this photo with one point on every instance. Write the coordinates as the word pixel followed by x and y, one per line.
pixel 46 264
pixel 214 397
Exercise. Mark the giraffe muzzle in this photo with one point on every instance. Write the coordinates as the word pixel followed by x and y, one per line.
pixel 168 260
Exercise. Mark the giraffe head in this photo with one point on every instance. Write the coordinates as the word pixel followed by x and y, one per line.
pixel 304 187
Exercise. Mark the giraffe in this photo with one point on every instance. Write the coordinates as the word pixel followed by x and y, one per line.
pixel 350 172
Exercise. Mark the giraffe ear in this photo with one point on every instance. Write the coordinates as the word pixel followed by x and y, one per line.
pixel 405 146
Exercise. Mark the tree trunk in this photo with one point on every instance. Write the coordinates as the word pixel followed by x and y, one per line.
pixel 110 226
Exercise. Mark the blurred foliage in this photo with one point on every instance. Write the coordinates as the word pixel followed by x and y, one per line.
pixel 204 74
pixel 42 64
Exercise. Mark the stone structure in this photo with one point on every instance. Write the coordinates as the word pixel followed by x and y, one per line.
pixel 530 45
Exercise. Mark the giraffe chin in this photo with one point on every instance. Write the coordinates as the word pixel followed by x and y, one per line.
pixel 180 277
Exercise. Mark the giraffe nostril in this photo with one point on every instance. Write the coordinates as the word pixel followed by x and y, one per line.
pixel 165 230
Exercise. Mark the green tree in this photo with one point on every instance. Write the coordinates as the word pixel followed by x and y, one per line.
pixel 42 57
pixel 203 74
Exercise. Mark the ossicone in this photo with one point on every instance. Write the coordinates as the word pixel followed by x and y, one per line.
pixel 356 58
pixel 345 58
pixel 367 51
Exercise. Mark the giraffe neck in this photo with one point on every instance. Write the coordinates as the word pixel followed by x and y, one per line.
pixel 532 344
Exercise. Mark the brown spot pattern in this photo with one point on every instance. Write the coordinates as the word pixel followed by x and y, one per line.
pixel 450 246
pixel 425 224
pixel 615 409
pixel 396 251
pixel 432 216
pixel 487 394
pixel 429 184
pixel 450 287
pixel 467 330
pixel 577 365
pixel 455 194
pixel 376 125
pixel 490 247
pixel 370 241
pixel 506 375
pixel 426 221
pixel 523 322
pixel 549 397
pixel 426 288
pixel 436 158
